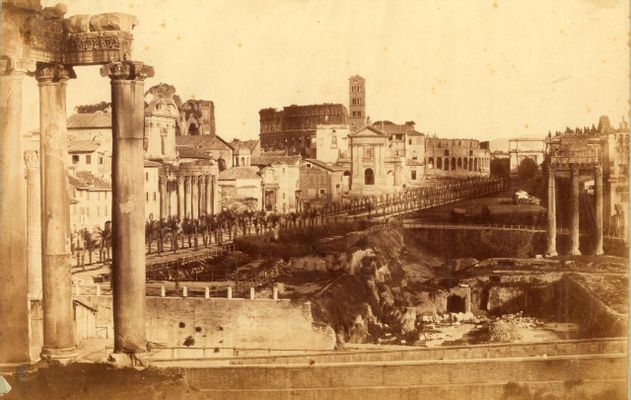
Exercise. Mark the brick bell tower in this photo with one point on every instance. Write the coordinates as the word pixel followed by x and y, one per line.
pixel 356 102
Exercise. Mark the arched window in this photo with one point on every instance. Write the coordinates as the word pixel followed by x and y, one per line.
pixel 470 164
pixel 236 161
pixel 453 163
pixel 243 161
pixel 446 164
pixel 459 162
pixel 369 177
pixel 464 165
pixel 439 162
pixel 447 153
pixel 430 162
pixel 334 142
pixel 475 164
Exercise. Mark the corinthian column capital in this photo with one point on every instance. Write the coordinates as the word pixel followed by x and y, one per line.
pixel 127 70
pixel 46 73
pixel 31 159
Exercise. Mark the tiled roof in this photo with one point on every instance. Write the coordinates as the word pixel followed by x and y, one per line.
pixel 87 181
pixel 322 164
pixel 414 133
pixel 191 152
pixel 203 142
pixel 248 144
pixel 152 164
pixel 268 159
pixel 239 173
pixel 83 146
pixel 369 131
pixel 90 120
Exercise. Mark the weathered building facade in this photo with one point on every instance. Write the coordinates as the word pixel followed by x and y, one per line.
pixel 293 128
pixel 456 157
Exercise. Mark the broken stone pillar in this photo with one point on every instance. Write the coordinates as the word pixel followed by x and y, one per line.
pixel 574 210
pixel 58 315
pixel 598 192
pixel 14 322
pixel 552 218
pixel 128 204
pixel 180 198
pixel 33 225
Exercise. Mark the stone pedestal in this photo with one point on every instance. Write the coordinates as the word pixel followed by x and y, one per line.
pixel 128 214
pixel 33 225
pixel 574 210
pixel 14 324
pixel 552 219
pixel 598 193
pixel 59 336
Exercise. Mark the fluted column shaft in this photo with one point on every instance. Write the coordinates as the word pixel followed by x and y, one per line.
pixel 164 202
pixel 194 197
pixel 14 324
pixel 552 218
pixel 574 210
pixel 128 213
pixel 187 197
pixel 59 336
pixel 34 224
pixel 598 193
pixel 180 198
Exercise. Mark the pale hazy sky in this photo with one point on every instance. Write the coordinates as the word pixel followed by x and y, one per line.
pixel 464 68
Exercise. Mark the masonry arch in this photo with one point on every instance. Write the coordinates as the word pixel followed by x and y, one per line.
pixel 369 176
pixel 439 162
pixel 459 162
pixel 453 163
pixel 446 164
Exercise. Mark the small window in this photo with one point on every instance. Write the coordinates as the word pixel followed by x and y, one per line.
pixel 101 160
pixel 75 159
pixel 146 176
pixel 413 174
pixel 322 191
pixel 154 196
pixel 88 159
pixel 147 196
pixel 410 142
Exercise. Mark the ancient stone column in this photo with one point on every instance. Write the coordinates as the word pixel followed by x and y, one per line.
pixel 598 192
pixel 574 210
pixel 128 203
pixel 33 224
pixel 194 197
pixel 180 198
pixel 552 218
pixel 59 338
pixel 187 197
pixel 215 195
pixel 164 203
pixel 14 323
pixel 209 195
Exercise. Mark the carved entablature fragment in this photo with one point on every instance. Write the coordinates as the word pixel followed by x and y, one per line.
pixel 45 36
pixel 88 48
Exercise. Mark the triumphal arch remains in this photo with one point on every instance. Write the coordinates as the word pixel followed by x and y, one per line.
pixel 44 44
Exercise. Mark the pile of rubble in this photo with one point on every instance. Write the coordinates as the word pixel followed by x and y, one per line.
pixel 509 327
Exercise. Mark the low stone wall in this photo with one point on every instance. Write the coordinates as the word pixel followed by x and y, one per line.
pixel 225 323
pixel 567 377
